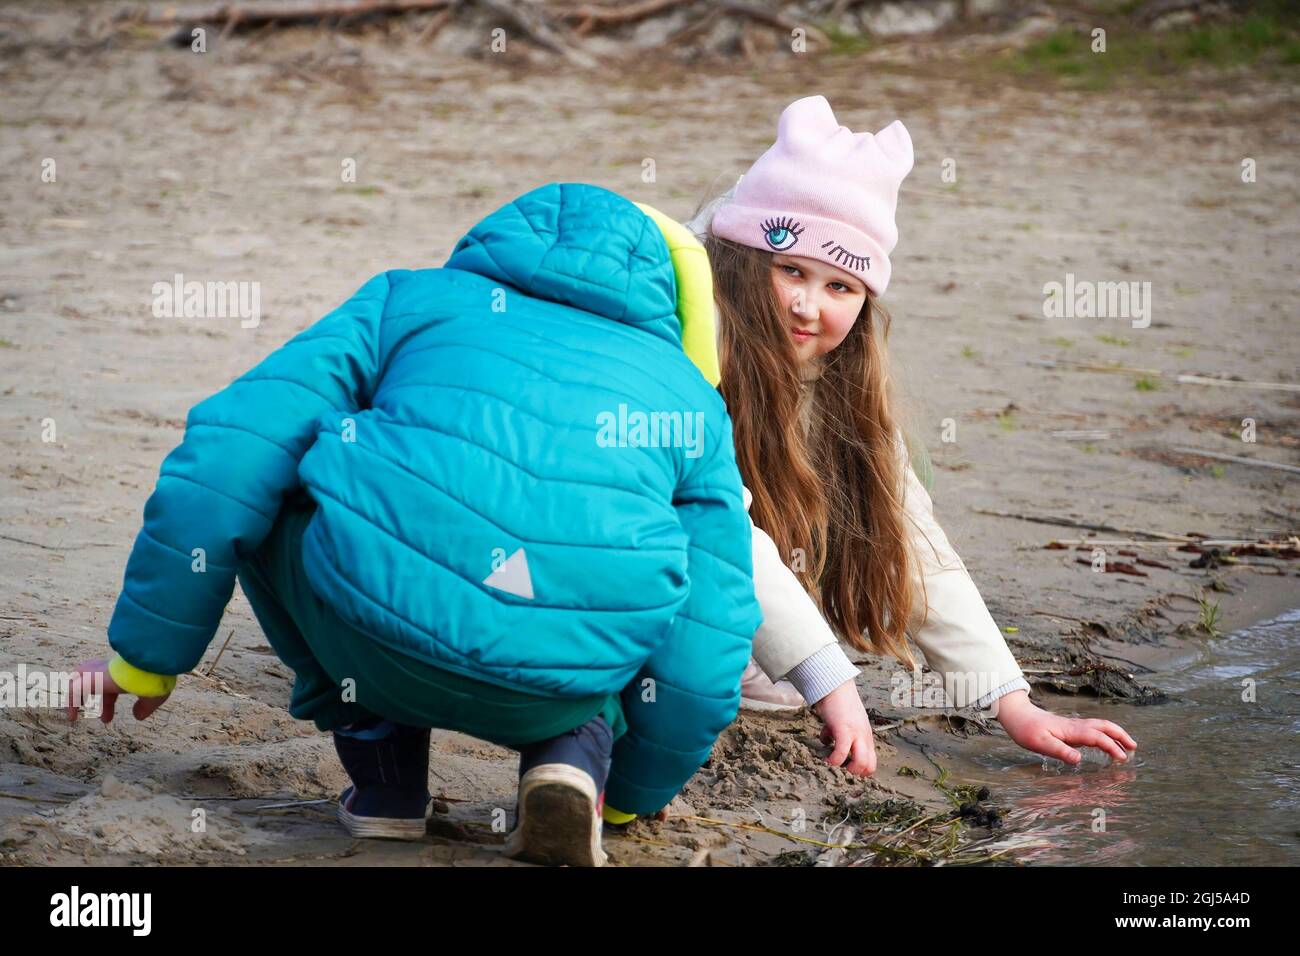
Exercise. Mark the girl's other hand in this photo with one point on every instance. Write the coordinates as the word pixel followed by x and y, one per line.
pixel 849 729
pixel 88 676
pixel 1051 734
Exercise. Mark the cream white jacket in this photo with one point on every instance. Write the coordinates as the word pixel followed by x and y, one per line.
pixel 958 639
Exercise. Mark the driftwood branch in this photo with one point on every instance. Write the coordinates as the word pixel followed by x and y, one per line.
pixel 532 25
pixel 700 26
pixel 220 652
pixel 59 547
pixel 590 16
pixel 1089 526
pixel 1200 542
pixel 1237 459
pixel 550 27
pixel 1236 383
pixel 1117 567
pixel 436 23
pixel 245 15
pixel 772 18
pixel 1183 379
pixel 1092 367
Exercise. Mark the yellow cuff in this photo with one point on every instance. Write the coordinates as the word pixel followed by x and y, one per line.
pixel 616 817
pixel 141 683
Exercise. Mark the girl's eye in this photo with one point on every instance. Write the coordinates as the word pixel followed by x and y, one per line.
pixel 842 287
pixel 790 270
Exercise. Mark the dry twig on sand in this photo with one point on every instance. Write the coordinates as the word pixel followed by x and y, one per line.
pixel 1086 525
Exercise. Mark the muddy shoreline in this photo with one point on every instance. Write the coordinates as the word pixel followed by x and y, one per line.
pixel 228 168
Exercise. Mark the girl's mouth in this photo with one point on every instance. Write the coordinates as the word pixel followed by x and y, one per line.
pixel 801 336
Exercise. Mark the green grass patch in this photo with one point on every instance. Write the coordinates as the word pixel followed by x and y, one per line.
pixel 844 43
pixel 1209 615
pixel 1269 35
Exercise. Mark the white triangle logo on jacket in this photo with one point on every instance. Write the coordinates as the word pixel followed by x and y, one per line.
pixel 512 577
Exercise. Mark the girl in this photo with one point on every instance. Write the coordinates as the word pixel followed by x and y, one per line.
pixel 799 249
pixel 439 512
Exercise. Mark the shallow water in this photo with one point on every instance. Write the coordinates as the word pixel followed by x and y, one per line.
pixel 1215 780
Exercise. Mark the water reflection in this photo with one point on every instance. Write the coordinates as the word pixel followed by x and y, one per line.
pixel 1215 780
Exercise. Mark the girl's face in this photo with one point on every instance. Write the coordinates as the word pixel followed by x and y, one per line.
pixel 818 300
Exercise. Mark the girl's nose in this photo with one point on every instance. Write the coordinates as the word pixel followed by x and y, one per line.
pixel 805 307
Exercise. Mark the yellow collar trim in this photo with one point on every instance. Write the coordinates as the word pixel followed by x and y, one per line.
pixel 695 309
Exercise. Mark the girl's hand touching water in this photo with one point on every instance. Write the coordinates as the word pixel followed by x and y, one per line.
pixel 849 729
pixel 86 678
pixel 1051 734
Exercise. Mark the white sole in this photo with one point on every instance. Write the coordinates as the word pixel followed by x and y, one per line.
pixel 385 828
pixel 558 822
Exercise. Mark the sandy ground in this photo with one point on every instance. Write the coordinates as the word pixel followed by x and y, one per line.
pixel 227 166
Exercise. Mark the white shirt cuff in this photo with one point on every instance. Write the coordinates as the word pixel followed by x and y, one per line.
pixel 987 700
pixel 822 672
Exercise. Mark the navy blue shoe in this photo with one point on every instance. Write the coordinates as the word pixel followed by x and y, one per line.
pixel 389 767
pixel 561 793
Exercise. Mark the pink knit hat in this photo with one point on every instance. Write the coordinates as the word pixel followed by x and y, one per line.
pixel 824 192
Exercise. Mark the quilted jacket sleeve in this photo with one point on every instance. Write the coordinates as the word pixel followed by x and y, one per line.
pixel 219 491
pixel 689 689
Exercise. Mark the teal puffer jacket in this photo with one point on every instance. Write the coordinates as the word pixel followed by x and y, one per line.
pixel 490 498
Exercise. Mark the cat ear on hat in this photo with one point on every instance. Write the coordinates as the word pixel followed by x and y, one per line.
pixel 895 142
pixel 807 120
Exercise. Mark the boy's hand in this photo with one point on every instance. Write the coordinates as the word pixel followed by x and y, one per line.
pixel 1051 734
pixel 88 676
pixel 849 729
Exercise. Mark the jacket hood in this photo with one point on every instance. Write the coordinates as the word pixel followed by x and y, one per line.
pixel 581 246
pixel 590 248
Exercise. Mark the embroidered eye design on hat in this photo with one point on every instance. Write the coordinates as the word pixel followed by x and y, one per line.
pixel 781 233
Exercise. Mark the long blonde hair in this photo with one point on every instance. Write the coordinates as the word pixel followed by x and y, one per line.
pixel 836 492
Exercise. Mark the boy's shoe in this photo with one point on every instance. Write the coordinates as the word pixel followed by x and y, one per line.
pixel 757 692
pixel 384 816
pixel 561 793
pixel 389 766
